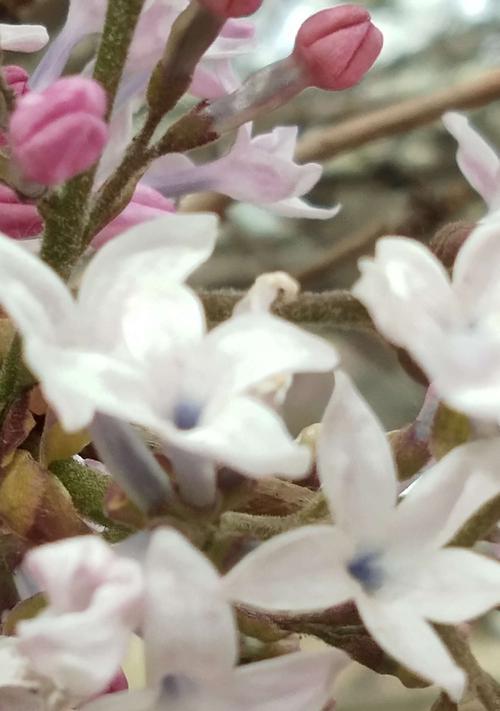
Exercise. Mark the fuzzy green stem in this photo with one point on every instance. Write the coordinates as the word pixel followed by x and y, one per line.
pixel 331 308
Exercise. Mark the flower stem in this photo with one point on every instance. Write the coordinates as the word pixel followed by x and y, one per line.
pixel 477 527
pixel 486 688
pixel 444 703
pixel 336 308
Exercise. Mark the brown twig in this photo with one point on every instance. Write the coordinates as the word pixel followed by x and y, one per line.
pixel 320 144
pixel 323 143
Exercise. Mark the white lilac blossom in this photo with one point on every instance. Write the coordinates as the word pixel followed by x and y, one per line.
pixel 94 603
pixel 449 326
pixel 191 647
pixel 80 350
pixel 476 159
pixel 258 170
pixel 137 349
pixel 388 558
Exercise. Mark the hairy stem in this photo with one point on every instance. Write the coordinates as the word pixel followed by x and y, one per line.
pixel 333 308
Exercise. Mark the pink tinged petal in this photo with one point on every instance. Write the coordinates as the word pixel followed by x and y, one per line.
pixel 254 347
pixel 355 464
pixel 301 570
pixel 189 627
pixel 476 159
pixel 448 494
pixel 411 641
pixel 408 294
pixel 214 78
pixel 455 585
pixel 23 38
pixel 296 682
pixel 95 602
pixel 250 437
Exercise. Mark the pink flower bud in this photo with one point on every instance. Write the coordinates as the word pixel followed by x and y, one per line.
pixel 231 8
pixel 146 204
pixel 59 132
pixel 16 78
pixel 336 47
pixel 18 219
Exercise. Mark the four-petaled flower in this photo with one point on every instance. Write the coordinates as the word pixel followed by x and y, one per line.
pixel 388 558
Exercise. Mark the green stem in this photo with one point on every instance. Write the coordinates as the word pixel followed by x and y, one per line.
pixel 477 527
pixel 485 687
pixel 334 308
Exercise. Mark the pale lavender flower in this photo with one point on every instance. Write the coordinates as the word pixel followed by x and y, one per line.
pixel 191 647
pixel 389 559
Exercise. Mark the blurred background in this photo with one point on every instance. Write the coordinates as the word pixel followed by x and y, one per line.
pixel 406 182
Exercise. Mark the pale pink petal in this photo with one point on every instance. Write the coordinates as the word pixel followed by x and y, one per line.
pixel 411 641
pixel 475 272
pixel 476 159
pixel 301 570
pixel 448 494
pixel 145 700
pixel 95 602
pixel 213 79
pixel 189 625
pixel 455 585
pixel 296 682
pixel 355 464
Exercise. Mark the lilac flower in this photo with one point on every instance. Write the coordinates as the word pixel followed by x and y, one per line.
pixel 191 647
pixel 389 559
pixel 94 603
pixel 258 170
pixel 450 327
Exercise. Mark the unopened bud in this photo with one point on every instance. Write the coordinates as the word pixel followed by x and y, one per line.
pixel 60 132
pixel 231 8
pixel 336 47
pixel 448 241
pixel 17 79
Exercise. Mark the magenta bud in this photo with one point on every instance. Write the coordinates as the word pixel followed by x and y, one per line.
pixel 336 47
pixel 17 79
pixel 146 204
pixel 59 132
pixel 231 8
pixel 18 219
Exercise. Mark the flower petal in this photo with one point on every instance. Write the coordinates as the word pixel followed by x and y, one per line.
pixel 408 294
pixel 95 601
pixel 189 626
pixel 476 159
pixel 250 437
pixel 254 347
pixel 455 585
pixel 145 700
pixel 32 294
pixel 296 207
pixel 412 642
pixel 301 570
pixel 296 682
pixel 355 464
pixel 448 494
pixel 23 38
